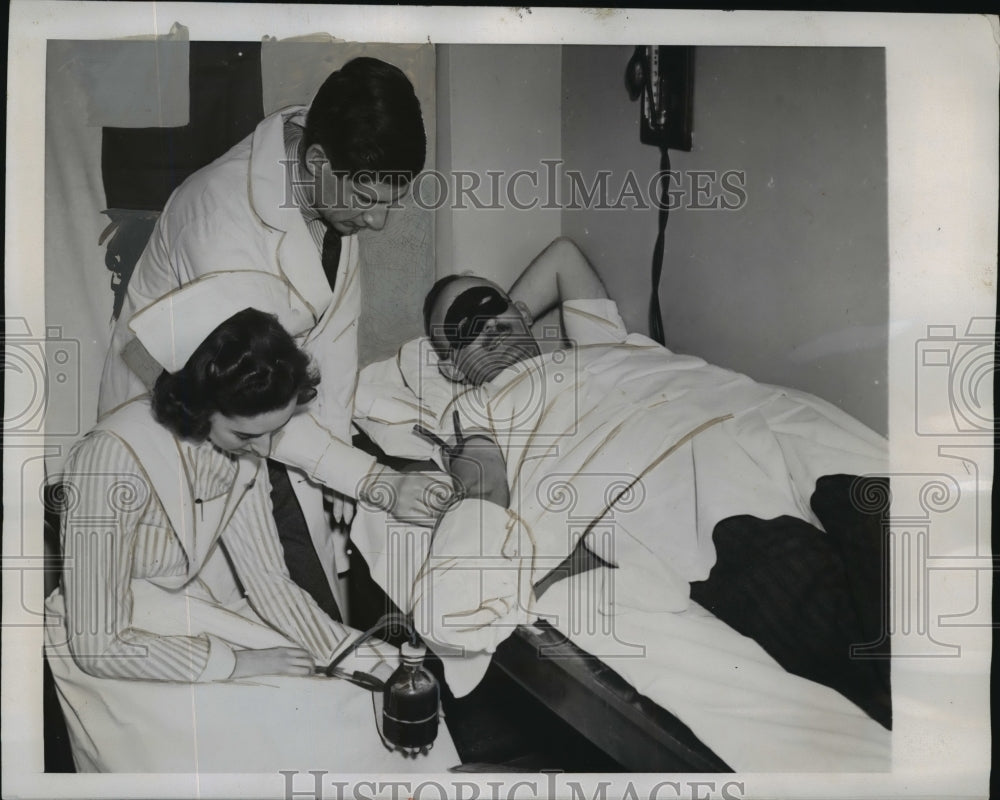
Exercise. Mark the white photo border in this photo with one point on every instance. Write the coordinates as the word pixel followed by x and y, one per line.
pixel 942 113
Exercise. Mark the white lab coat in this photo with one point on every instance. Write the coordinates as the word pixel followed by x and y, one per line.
pixel 236 214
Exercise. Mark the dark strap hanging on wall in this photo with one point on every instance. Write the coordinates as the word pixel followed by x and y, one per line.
pixel 656 332
pixel 662 79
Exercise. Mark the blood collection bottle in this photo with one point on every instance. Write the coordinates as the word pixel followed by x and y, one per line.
pixel 412 702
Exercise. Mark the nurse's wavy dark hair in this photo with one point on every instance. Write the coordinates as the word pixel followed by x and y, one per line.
pixel 248 365
pixel 367 119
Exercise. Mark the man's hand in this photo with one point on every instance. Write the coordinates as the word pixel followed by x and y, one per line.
pixel 272 661
pixel 477 466
pixel 414 497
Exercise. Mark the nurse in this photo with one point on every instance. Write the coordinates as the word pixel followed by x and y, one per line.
pixel 288 201
pixel 177 640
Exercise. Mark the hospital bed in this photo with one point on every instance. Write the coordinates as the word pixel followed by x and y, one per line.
pixel 694 696
pixel 665 692
pixel 593 699
pixel 657 691
pixel 541 664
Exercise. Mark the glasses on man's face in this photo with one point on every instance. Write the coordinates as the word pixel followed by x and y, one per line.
pixel 471 313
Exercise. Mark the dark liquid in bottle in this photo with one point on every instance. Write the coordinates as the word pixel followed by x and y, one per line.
pixel 410 714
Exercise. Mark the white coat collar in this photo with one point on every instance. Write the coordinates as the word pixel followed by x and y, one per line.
pixel 270 199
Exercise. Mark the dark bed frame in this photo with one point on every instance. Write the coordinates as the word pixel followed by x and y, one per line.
pixel 592 698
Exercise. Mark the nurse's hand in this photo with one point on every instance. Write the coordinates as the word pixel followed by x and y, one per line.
pixel 419 498
pixel 272 661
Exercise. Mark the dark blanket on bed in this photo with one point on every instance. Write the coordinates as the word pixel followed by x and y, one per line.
pixel 815 601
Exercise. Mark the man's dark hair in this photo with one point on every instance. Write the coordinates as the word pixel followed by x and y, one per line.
pixel 366 117
pixel 248 365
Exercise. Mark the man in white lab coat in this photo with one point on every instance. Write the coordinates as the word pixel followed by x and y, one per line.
pixel 288 200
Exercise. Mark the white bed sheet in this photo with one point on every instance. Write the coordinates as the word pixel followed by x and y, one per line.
pixel 736 698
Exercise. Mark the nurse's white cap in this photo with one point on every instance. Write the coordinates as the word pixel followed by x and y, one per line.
pixel 172 327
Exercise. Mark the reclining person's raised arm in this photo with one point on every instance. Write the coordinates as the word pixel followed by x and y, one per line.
pixel 561 272
pixel 562 275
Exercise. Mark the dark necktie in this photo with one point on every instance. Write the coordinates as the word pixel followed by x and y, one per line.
pixel 301 558
pixel 300 555
pixel 330 257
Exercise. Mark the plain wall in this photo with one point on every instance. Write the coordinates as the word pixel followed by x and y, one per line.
pixel 792 288
pixel 500 111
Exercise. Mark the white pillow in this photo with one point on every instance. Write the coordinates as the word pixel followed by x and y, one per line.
pixel 398 393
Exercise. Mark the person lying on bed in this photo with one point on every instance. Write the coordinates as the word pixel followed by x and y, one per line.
pixel 177 640
pixel 482 335
pixel 605 436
